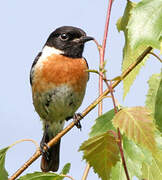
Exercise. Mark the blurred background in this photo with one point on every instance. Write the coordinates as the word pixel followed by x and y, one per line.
pixel 25 26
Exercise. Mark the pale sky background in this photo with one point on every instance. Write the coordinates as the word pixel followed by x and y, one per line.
pixel 25 26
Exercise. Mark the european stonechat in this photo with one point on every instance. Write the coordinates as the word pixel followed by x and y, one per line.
pixel 58 78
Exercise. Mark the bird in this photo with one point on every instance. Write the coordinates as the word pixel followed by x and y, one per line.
pixel 58 79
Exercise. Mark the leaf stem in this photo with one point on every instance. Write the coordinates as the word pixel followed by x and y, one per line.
pixel 84 113
pixel 70 177
pixel 86 171
pixel 156 56
pixel 22 140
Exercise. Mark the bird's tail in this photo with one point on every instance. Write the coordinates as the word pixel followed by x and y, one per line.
pixel 50 159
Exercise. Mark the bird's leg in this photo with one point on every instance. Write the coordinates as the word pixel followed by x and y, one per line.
pixel 43 143
pixel 76 118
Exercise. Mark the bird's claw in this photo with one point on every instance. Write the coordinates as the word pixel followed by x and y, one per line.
pixel 44 152
pixel 76 119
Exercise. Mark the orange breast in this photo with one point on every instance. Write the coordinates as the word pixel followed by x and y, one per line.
pixel 57 70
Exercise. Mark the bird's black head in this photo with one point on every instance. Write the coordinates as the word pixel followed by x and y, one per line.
pixel 70 40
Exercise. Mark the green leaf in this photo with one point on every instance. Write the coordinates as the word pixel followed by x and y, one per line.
pixel 103 123
pixel 137 124
pixel 134 157
pixel 153 170
pixel 66 169
pixel 41 176
pixel 3 172
pixel 153 83
pixel 129 55
pixel 154 100
pixel 102 153
pixel 47 176
pixel 158 106
pixel 123 21
pixel 145 24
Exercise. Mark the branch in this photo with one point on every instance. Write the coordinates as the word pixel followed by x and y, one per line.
pixel 102 51
pixel 119 142
pixel 84 113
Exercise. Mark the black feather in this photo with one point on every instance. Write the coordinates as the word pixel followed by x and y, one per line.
pixel 34 63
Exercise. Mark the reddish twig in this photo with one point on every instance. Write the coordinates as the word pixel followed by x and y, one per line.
pixel 102 54
pixel 102 51
pixel 122 154
pixel 119 140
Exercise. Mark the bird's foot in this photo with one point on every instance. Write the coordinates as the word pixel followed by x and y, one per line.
pixel 45 153
pixel 76 118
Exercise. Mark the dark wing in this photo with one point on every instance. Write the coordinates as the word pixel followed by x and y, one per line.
pixel 32 68
pixel 87 66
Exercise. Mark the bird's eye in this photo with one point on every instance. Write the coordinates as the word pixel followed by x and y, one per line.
pixel 64 37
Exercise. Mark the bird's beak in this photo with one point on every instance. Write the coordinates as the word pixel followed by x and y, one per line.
pixel 83 39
